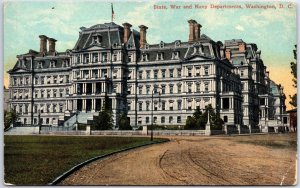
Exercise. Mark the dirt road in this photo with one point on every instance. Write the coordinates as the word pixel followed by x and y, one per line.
pixel 193 161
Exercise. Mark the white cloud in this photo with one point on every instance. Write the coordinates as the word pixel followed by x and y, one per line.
pixel 239 27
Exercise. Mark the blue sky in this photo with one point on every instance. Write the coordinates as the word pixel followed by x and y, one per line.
pixel 274 31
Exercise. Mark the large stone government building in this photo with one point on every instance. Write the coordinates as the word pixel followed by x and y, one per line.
pixel 115 63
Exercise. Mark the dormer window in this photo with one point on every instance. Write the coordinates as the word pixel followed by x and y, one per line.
pixel 40 65
pixel 162 44
pixel 175 55
pixel 52 64
pixel 177 43
pixel 147 46
pixel 160 56
pixel 145 57
pixel 97 39
pixel 22 63
pixel 65 63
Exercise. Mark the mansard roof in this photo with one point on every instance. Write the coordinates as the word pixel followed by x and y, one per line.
pixel 274 88
pixel 233 42
pixel 134 39
pixel 111 34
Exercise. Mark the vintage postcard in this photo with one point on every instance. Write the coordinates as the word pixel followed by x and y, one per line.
pixel 150 93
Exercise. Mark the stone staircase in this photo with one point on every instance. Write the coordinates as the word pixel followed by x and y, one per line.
pixel 82 118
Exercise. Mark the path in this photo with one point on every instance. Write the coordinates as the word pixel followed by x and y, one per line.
pixel 192 161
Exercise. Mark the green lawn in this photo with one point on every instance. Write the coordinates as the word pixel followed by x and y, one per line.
pixel 38 160
pixel 274 141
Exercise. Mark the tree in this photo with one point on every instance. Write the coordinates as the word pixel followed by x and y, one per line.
pixel 10 118
pixel 124 123
pixel 293 101
pixel 104 121
pixel 190 123
pixel 199 119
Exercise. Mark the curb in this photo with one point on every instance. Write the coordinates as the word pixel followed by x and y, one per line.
pixel 77 167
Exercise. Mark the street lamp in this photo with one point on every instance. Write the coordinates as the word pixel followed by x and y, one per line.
pixel 39 121
pixel 77 120
pixel 152 108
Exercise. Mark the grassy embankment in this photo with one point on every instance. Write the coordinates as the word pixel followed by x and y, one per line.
pixel 38 160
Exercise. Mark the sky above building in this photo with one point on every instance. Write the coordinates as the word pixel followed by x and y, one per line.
pixel 272 29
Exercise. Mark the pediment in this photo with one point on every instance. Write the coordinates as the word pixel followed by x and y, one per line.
pixel 94 47
pixel 18 70
pixel 197 58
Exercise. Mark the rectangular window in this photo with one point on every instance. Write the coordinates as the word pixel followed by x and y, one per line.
pixel 140 106
pixel 147 119
pixel 171 106
pixel 95 57
pixel 190 72
pixel 147 106
pixel 163 73
pixel 171 73
pixel 104 57
pixel 140 90
pixel 170 119
pixel 129 58
pixel 179 105
pixel 189 105
pixel 179 89
pixel 198 87
pixel 86 58
pixel 179 73
pixel 141 75
pixel 160 56
pixel 162 119
pixel 225 103
pixel 129 106
pixel 206 87
pixel 171 89
pixel 42 79
pixel 178 119
pixel 189 88
pixel 148 74
pixel 163 89
pixel 48 79
pixel 163 105
pixel 148 90
pixel 206 71
pixel 197 71
pixel 54 92
pixel 54 108
pixel 114 57
pixel 144 57
pixel 155 74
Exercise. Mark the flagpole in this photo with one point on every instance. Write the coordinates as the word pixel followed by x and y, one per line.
pixel 112 13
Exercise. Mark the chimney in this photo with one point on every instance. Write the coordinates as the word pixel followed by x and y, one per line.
pixel 228 54
pixel 143 40
pixel 51 44
pixel 192 31
pixel 197 31
pixel 126 31
pixel 242 47
pixel 43 43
